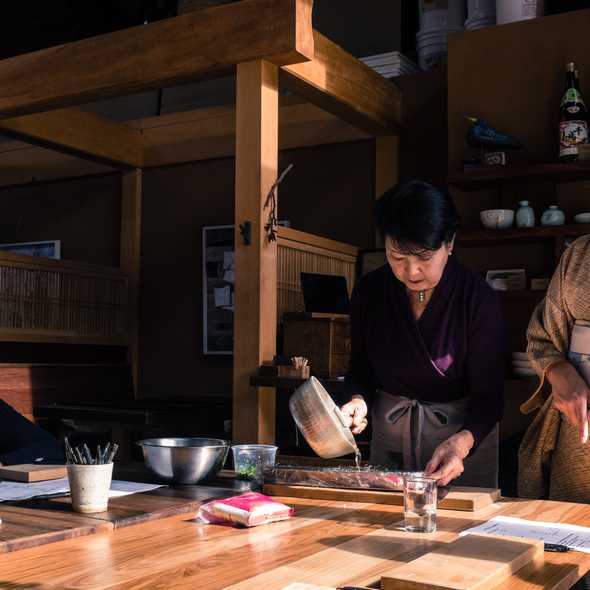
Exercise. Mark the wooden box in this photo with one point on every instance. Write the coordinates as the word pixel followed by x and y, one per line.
pixel 323 338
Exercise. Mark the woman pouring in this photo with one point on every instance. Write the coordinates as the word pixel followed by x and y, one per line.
pixel 427 347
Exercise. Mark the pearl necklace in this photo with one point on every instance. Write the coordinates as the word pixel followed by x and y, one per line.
pixel 421 295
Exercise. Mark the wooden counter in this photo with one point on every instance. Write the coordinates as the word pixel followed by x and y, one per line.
pixel 328 543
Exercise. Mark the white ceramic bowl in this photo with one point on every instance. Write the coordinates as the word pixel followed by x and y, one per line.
pixel 582 218
pixel 497 218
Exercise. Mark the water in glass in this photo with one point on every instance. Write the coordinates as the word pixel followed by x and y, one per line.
pixel 420 505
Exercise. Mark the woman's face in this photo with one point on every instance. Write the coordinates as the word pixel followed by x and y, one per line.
pixel 418 272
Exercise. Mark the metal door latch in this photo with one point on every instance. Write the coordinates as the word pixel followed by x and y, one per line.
pixel 246 233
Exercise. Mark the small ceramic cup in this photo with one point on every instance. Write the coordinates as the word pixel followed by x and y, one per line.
pixel 89 487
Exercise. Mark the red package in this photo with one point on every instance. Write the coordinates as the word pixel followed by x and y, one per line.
pixel 247 510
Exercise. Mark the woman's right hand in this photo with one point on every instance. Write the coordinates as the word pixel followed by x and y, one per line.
pixel 355 414
pixel 570 396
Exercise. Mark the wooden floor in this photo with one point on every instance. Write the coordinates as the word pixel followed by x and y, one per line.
pixel 328 543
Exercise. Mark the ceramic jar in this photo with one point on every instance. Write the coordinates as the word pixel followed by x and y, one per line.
pixel 553 216
pixel 525 216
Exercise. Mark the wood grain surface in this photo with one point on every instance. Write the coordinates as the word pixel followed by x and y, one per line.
pixel 459 498
pixel 138 508
pixel 29 472
pixel 473 562
pixel 327 543
pixel 24 527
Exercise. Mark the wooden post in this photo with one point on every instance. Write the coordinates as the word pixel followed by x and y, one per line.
pixel 131 183
pixel 386 168
pixel 255 320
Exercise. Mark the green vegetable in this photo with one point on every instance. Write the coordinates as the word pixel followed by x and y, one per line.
pixel 248 471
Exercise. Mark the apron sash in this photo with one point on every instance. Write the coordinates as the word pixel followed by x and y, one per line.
pixel 407 431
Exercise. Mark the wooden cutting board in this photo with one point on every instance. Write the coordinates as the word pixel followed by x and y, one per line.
pixel 459 498
pixel 473 562
pixel 31 472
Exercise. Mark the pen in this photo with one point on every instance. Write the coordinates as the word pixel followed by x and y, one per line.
pixel 556 548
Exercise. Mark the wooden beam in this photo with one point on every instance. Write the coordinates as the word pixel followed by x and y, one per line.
pixel 255 319
pixel 209 133
pixel 22 163
pixel 131 187
pixel 190 136
pixel 159 54
pixel 339 83
pixel 79 133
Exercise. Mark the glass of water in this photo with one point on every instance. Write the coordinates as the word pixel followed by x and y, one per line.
pixel 420 504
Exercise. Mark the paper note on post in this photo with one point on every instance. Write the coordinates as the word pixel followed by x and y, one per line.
pixel 577 538
pixel 222 296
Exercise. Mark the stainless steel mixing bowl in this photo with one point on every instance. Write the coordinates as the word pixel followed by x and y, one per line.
pixel 320 421
pixel 184 460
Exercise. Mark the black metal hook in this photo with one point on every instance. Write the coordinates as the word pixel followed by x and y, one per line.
pixel 246 233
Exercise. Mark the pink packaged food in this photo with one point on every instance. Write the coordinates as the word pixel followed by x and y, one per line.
pixel 248 510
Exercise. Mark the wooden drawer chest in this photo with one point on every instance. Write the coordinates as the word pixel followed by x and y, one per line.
pixel 323 338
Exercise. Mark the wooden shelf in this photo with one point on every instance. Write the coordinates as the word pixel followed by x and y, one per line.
pixel 331 385
pixel 493 176
pixel 483 237
pixel 528 295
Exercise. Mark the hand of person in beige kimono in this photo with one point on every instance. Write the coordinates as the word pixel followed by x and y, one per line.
pixel 446 463
pixel 570 396
pixel 355 414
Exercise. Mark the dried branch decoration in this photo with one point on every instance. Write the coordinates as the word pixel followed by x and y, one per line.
pixel 271 200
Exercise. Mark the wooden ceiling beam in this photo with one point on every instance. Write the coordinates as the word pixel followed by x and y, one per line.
pixel 156 55
pixel 190 136
pixel 78 133
pixel 204 134
pixel 341 84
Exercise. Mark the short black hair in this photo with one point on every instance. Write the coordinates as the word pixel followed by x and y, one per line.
pixel 417 216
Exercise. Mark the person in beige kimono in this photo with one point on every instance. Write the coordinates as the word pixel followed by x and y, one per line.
pixel 554 459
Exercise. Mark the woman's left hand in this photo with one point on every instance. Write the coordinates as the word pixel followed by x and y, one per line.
pixel 447 460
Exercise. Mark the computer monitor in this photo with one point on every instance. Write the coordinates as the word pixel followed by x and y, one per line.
pixel 324 293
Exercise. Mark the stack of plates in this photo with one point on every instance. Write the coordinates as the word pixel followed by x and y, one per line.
pixel 521 366
pixel 391 64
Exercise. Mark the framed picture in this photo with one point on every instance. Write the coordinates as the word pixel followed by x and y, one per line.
pixel 45 249
pixel 218 289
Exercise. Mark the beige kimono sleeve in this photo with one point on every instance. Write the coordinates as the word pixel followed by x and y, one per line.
pixel 552 321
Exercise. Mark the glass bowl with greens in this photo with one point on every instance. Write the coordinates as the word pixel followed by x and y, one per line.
pixel 250 461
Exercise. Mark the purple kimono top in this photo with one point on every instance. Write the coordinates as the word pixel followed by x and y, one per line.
pixel 454 351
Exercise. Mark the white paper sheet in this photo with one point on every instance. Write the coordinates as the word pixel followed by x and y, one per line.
pixel 11 491
pixel 228 261
pixel 572 536
pixel 222 296
pixel 124 488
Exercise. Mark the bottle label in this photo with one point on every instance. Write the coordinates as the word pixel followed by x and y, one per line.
pixel 572 96
pixel 572 133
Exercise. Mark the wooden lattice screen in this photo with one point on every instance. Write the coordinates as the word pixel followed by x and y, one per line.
pixel 302 252
pixel 43 300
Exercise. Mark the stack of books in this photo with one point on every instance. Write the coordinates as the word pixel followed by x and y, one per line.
pixel 390 64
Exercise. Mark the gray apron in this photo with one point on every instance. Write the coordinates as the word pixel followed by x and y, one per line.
pixel 406 432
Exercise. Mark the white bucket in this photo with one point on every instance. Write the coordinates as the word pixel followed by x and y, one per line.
pixel 442 14
pixel 432 46
pixel 479 23
pixel 480 13
pixel 509 11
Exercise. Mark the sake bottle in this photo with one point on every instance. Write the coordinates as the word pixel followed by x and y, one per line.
pixel 573 124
